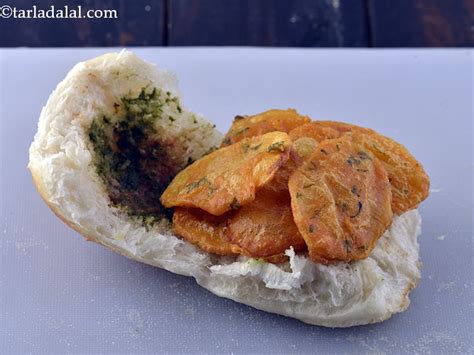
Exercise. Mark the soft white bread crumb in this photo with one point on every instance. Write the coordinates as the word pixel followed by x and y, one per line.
pixel 338 295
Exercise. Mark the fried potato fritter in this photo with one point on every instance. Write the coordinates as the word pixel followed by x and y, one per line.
pixel 409 181
pixel 316 130
pixel 204 230
pixel 228 178
pixel 268 121
pixel 281 181
pixel 265 227
pixel 301 149
pixel 410 184
pixel 341 201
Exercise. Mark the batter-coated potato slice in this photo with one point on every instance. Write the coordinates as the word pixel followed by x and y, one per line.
pixel 317 130
pixel 204 230
pixel 341 201
pixel 410 183
pixel 268 121
pixel 208 232
pixel 229 177
pixel 343 127
pixel 301 149
pixel 265 227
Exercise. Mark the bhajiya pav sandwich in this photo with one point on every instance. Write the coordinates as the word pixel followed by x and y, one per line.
pixel 315 220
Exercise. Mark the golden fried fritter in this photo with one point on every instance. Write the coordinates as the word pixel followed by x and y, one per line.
pixel 268 121
pixel 327 187
pixel 343 127
pixel 301 149
pixel 229 177
pixel 410 184
pixel 341 201
pixel 317 130
pixel 204 230
pixel 265 227
pixel 209 233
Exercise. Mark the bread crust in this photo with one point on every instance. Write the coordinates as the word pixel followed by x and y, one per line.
pixel 82 232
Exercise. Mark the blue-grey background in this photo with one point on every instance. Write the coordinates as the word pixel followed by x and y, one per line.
pixel 60 294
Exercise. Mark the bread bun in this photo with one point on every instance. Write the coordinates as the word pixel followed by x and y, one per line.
pixel 61 162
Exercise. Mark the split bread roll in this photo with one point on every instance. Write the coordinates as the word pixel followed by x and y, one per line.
pixel 62 165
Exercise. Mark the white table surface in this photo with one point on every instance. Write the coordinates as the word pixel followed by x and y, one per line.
pixel 62 294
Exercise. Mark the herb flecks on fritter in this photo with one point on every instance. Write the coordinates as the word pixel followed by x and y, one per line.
pixel 228 178
pixel 268 121
pixel 341 201
pixel 332 192
pixel 410 184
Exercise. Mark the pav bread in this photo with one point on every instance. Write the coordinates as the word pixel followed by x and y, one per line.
pixel 66 172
